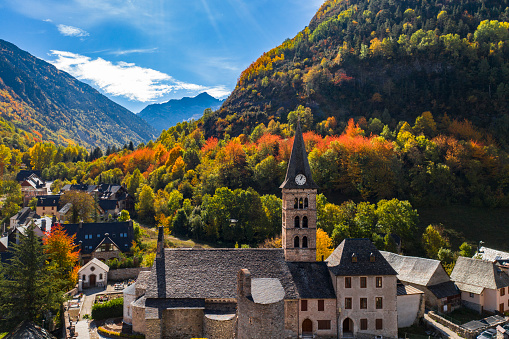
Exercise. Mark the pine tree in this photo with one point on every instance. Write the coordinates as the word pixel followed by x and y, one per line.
pixel 28 288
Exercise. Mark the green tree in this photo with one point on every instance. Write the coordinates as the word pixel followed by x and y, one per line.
pixel 145 205
pixel 466 250
pixel 306 118
pixel 124 216
pixel 28 287
pixel 272 206
pixel 180 223
pixel 83 205
pixel 433 241
pixel 134 182
pixel 396 216
pixel 33 203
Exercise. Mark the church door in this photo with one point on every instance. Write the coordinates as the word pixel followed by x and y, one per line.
pixel 92 278
pixel 307 326
pixel 347 326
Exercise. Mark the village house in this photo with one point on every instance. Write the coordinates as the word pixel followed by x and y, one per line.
pixel 31 185
pixel 111 198
pixel 429 276
pixel 484 286
pixel 24 216
pixel 103 241
pixel 93 273
pixel 269 293
pixel 47 204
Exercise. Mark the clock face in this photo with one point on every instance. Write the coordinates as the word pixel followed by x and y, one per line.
pixel 300 179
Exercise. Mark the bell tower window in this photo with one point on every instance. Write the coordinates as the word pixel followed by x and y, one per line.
pixel 296 242
pixel 304 222
pixel 306 203
pixel 304 242
pixel 296 203
pixel 297 222
pixel 301 203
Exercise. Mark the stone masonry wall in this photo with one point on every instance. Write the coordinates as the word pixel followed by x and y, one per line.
pixel 183 323
pixel 215 328
pixel 138 319
pixel 126 273
pixel 291 319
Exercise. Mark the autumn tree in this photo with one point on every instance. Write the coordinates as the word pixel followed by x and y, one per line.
pixel 145 205
pixel 41 155
pixel 306 118
pixel 433 241
pixel 63 254
pixel 324 246
pixel 83 205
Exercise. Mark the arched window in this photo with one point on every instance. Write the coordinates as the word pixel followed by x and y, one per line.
pixel 306 203
pixel 297 222
pixel 101 276
pixel 296 203
pixel 296 242
pixel 304 222
pixel 301 203
pixel 304 242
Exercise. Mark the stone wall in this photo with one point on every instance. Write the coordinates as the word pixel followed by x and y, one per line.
pixel 138 319
pixel 126 273
pixel 219 326
pixel 453 327
pixel 291 319
pixel 183 323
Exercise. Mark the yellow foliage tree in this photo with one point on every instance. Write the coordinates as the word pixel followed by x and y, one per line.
pixel 323 244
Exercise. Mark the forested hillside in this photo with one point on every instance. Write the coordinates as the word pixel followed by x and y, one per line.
pixel 53 106
pixel 385 59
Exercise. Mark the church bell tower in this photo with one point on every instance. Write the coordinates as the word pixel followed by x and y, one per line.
pixel 299 205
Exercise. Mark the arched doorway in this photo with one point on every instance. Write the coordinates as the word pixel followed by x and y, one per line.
pixel 348 327
pixel 92 279
pixel 307 326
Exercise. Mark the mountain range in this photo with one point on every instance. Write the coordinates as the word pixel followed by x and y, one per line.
pixel 167 114
pixel 54 106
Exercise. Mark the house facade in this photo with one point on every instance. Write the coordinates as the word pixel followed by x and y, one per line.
pixel 48 204
pixel 270 293
pixel 92 274
pixel 484 286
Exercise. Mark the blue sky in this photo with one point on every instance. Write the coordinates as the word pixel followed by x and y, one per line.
pixel 139 52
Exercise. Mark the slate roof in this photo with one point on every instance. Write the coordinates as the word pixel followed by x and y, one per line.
pixel 24 174
pixel 129 290
pixel 25 215
pixel 108 205
pixel 298 164
pixel 48 200
pixel 143 279
pixel 477 272
pixel 65 209
pixel 407 290
pixel 414 270
pixel 112 228
pixel 469 288
pixel 340 261
pixel 491 254
pixel 169 303
pixel 312 280
pixel 444 290
pixel 212 273
pixel 267 290
pixel 28 330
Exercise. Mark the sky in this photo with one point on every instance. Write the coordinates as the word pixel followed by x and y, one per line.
pixel 139 52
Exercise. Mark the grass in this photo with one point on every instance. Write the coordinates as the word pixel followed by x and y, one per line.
pixel 150 238
pixel 464 315
pixel 470 224
pixel 412 332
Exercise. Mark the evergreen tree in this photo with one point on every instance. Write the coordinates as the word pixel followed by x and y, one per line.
pixel 28 289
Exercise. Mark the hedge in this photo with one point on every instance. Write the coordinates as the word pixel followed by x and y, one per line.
pixel 110 309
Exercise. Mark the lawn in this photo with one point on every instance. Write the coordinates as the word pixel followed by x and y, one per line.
pixel 471 224
pixel 463 315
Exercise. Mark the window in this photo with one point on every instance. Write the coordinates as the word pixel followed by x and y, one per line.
pixel 296 203
pixel 113 235
pixel 354 257
pixel 321 305
pixel 502 291
pixel 98 235
pixel 297 222
pixel 296 242
pixel 324 324
pixel 472 295
pixel 86 236
pixel 501 308
pixel 348 282
pixel 303 305
pixel 372 257
pixel 363 282
pixel 101 276
pixel 301 203
pixel 364 303
pixel 379 324
pixel 379 303
pixel 364 324
pixel 306 203
pixel 379 282
pixel 348 303
pixel 121 235
pixel 84 277
pixel 304 222
pixel 304 242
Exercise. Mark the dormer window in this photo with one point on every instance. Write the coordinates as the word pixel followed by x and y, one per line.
pixel 354 257
pixel 372 257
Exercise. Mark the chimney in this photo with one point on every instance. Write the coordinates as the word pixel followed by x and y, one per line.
pixel 81 224
pixel 244 283
pixel 43 225
pixel 160 243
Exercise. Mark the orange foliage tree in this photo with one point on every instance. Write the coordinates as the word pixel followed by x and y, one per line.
pixel 63 254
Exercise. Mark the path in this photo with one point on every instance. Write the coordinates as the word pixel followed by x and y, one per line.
pixel 82 327
pixel 445 331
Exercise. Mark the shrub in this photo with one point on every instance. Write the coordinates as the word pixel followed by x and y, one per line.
pixel 110 309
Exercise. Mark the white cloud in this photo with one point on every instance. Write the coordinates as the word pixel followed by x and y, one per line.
pixel 47 20
pixel 126 79
pixel 71 31
pixel 132 51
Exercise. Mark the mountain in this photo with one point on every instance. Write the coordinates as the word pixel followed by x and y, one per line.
pixel 385 59
pixel 38 98
pixel 170 113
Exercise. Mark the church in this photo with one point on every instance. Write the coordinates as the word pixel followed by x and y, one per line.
pixel 269 293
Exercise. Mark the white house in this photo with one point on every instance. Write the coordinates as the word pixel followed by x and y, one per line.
pixel 94 273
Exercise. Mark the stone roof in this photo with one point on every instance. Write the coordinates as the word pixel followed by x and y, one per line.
pixel 212 273
pixel 477 272
pixel 444 290
pixel 108 205
pixel 298 164
pixel 29 330
pixel 267 290
pixel 129 290
pixel 169 303
pixel 65 209
pixel 341 262
pixel 143 279
pixel 48 200
pixel 312 280
pixel 407 290
pixel 491 254
pixel 414 270
pixel 469 288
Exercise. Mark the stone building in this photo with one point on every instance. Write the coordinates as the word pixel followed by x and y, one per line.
pixel 269 293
